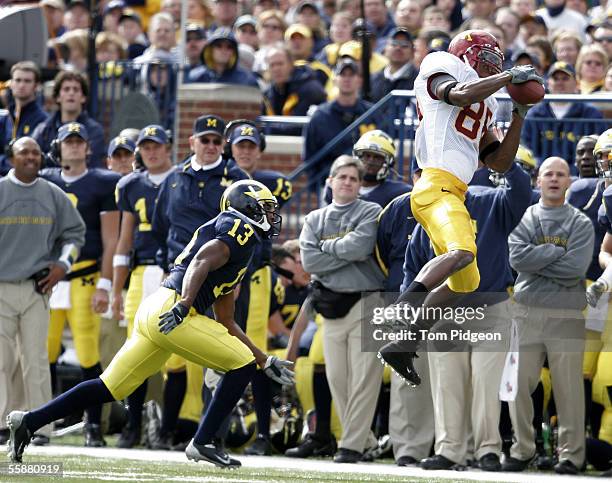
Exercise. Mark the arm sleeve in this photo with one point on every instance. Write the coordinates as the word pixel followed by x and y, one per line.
pixel 526 256
pixel 358 244
pixel 313 259
pixel 576 260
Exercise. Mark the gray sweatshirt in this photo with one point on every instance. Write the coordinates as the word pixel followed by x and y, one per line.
pixel 337 243
pixel 36 221
pixel 551 249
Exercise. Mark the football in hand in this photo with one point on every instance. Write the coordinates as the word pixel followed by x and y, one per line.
pixel 528 93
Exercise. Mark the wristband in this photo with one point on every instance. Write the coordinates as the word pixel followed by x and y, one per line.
pixel 104 284
pixel 68 255
pixel 121 261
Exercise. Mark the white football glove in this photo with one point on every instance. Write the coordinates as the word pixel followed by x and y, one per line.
pixel 278 370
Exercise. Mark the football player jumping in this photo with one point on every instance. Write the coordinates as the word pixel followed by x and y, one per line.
pixel 456 113
pixel 172 320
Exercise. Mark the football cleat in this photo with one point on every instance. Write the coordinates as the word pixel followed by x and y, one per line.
pixel 93 436
pixel 212 453
pixel 402 363
pixel 20 435
pixel 129 438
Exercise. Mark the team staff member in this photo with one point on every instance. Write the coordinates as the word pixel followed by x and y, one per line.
pixel 172 321
pixel 85 293
pixel 448 85
pixel 136 194
pixel 121 155
pixel 39 223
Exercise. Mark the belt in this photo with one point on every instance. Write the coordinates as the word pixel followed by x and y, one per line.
pixel 89 267
pixel 145 261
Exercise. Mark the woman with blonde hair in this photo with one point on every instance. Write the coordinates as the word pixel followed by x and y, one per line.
pixel 591 68
pixel 271 28
pixel 200 12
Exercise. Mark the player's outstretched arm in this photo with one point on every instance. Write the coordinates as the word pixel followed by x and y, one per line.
pixel 467 93
pixel 500 156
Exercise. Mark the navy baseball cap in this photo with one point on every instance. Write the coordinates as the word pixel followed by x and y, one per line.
pixel 120 142
pixel 208 124
pixel 561 66
pixel 346 63
pixel 153 132
pixel 245 132
pixel 72 129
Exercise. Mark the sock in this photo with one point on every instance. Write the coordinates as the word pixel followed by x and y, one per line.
pixel 76 399
pixel 322 401
pixel 174 393
pixel 226 396
pixel 135 402
pixel 94 413
pixel 185 429
pixel 262 393
pixel 53 371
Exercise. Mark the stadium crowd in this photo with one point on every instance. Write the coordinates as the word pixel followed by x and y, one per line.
pixel 300 300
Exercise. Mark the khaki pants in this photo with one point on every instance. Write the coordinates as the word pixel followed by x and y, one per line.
pixel 558 334
pixel 465 391
pixel 411 414
pixel 24 320
pixel 354 378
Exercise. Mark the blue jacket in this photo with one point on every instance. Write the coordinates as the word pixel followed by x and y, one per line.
pixel 47 132
pixel 11 128
pixel 547 136
pixel 326 123
pixel 495 212
pixel 234 74
pixel 586 194
pixel 381 86
pixel 186 200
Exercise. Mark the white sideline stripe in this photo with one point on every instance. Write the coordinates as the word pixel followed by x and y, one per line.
pixel 310 465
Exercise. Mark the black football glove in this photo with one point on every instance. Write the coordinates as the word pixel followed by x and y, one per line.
pixel 173 318
pixel 524 73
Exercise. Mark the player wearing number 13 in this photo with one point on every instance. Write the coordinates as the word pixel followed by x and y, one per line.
pixel 172 320
pixel 453 92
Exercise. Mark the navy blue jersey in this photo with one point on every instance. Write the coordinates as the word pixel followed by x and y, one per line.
pixel 395 226
pixel 92 194
pixel 241 239
pixel 276 182
pixel 605 211
pixel 136 194
pixel 294 298
pixel 586 194
pixel 187 199
pixel 495 212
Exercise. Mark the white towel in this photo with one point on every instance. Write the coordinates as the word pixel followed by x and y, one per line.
pixel 508 386
pixel 596 316
pixel 151 280
pixel 60 296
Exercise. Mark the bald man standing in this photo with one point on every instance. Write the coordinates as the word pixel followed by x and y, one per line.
pixel 551 250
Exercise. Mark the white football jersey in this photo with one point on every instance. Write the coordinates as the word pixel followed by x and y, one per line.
pixel 448 137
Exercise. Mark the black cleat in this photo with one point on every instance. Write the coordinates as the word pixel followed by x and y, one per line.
pixel 489 462
pixel 129 438
pixel 313 446
pixel 40 440
pixel 402 363
pixel 566 467
pixel 437 462
pixel 260 447
pixel 19 435
pixel 211 453
pixel 516 465
pixel 4 435
pixel 93 436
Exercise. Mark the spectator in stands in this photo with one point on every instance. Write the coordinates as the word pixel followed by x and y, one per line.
pixel 121 155
pixel 566 46
pixel 54 16
pixel 481 9
pixel 195 41
pixel 245 30
pixel 429 40
pixel 300 41
pixel 200 12
pixel 76 15
pixel 339 32
pixel 220 62
pixel 546 133
pixel 333 117
pixel 551 250
pixel 523 7
pixel 531 26
pixel 377 13
pixel 160 85
pixel 409 15
pixel 434 18
pixel 337 243
pixel 111 15
pixel 110 47
pixel 74 46
pixel 271 28
pixel 161 35
pixel 524 57
pixel 558 17
pixel 353 50
pixel 307 13
pixel 510 23
pixel 35 257
pixel 70 91
pixel 591 68
pixel 401 72
pixel 292 89
pixel 130 28
pixel 541 48
pixel 225 13
pixel 603 37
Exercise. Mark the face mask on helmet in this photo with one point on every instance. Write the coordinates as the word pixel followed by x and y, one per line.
pixel 379 143
pixel 382 172
pixel 604 164
pixel 488 57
